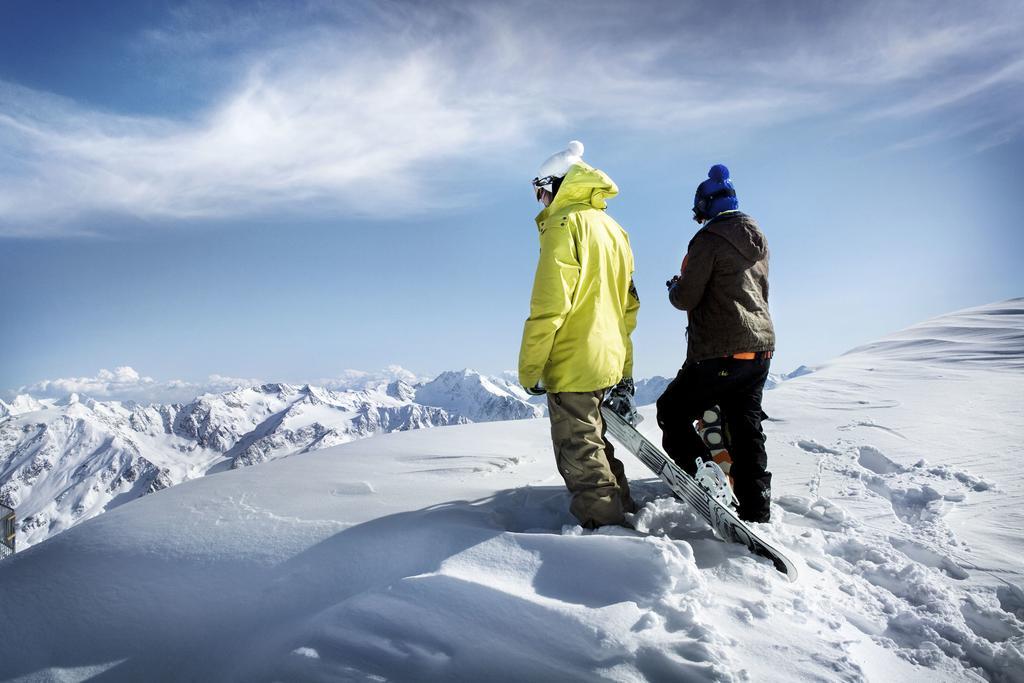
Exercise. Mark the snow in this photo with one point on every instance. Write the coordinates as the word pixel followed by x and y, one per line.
pixel 65 461
pixel 22 404
pixel 449 553
pixel 477 397
pixel 648 390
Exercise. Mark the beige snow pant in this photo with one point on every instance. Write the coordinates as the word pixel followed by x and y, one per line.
pixel 586 459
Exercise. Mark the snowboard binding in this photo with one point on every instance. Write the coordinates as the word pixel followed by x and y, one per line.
pixel 713 475
pixel 723 519
pixel 712 479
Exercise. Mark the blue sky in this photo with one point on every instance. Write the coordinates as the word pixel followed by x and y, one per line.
pixel 282 191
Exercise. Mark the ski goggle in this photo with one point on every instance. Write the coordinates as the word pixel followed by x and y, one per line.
pixel 702 205
pixel 542 186
pixel 545 183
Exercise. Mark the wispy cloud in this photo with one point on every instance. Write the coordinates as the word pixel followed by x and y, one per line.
pixel 359 109
pixel 348 134
pixel 957 91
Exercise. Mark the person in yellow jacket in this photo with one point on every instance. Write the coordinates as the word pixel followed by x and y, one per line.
pixel 576 343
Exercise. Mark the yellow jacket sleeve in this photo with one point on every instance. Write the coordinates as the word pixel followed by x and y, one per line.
pixel 632 308
pixel 558 271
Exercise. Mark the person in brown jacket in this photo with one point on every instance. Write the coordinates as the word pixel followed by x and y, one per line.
pixel 723 287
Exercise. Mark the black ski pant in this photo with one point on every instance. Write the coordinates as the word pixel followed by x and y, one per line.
pixel 736 386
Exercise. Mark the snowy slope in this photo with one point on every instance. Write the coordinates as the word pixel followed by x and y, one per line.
pixel 449 554
pixel 990 335
pixel 902 461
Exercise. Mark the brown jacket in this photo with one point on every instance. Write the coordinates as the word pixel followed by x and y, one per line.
pixel 724 289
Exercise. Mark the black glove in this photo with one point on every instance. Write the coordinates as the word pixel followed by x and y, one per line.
pixel 620 399
pixel 672 283
pixel 536 390
pixel 625 385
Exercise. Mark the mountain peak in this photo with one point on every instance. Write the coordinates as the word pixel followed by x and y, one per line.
pixel 280 388
pixel 475 396
pixel 799 372
pixel 401 390
pixel 23 403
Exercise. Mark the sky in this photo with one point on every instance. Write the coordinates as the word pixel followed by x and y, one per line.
pixel 193 194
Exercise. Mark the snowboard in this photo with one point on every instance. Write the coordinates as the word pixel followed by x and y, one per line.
pixel 722 518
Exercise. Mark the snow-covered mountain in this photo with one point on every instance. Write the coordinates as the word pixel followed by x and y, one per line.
pixel 23 403
pixel 479 398
pixel 449 554
pixel 62 462
pixel 648 390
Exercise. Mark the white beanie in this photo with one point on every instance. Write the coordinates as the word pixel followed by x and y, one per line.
pixel 559 164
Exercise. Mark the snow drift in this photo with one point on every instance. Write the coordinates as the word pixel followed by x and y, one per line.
pixel 449 553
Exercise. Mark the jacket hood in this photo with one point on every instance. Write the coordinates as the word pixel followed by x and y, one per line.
pixel 741 231
pixel 583 184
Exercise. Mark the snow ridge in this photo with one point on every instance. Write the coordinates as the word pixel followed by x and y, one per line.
pixel 992 334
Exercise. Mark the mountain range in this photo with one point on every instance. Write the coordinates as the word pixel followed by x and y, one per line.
pixel 65 461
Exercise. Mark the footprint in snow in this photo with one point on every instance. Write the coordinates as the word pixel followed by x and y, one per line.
pixel 989 622
pixel 820 513
pixel 1011 600
pixel 911 503
pixel 875 460
pixel 912 491
pixel 928 557
pixel 967 479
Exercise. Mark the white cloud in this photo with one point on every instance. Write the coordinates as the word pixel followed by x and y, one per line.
pixel 104 384
pixel 375 109
pixel 124 383
pixel 349 380
pixel 347 135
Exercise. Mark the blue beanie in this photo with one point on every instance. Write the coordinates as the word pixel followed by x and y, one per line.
pixel 715 195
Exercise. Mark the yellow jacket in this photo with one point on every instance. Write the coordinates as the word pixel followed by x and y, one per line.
pixel 584 304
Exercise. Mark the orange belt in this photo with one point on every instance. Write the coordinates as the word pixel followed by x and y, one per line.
pixel 750 355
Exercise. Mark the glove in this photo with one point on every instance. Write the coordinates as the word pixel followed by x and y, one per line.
pixel 672 283
pixel 625 385
pixel 620 399
pixel 536 390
